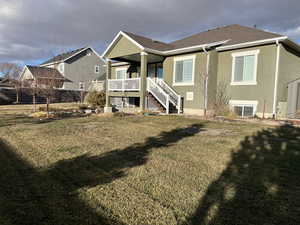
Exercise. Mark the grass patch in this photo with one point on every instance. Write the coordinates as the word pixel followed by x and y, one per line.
pixel 147 170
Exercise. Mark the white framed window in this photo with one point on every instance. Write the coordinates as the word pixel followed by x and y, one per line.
pixel 121 73
pixel 184 70
pixel 81 85
pixel 97 69
pixel 244 68
pixel 61 67
pixel 243 108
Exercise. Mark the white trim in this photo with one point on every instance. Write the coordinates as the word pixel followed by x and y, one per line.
pixel 253 103
pixel 276 78
pixel 193 48
pixel 251 43
pixel 61 69
pixel 117 37
pixel 120 64
pixel 245 53
pixel 180 58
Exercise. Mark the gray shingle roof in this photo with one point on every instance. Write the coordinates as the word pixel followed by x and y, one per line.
pixel 45 72
pixel 149 43
pixel 235 33
pixel 63 56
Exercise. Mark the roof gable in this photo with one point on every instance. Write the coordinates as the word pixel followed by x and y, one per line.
pixel 65 56
pixel 123 46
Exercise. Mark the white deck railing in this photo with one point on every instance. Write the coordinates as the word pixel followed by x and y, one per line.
pixel 130 84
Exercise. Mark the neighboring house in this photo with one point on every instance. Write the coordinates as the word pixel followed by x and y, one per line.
pixel 255 66
pixel 83 67
pixel 36 76
pixel 5 83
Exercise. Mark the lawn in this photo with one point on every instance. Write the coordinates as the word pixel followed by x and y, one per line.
pixel 147 170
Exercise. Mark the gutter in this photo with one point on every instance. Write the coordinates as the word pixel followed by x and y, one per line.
pixel 206 80
pixel 276 79
pixel 252 43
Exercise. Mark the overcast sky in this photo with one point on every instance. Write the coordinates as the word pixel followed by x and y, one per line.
pixel 34 30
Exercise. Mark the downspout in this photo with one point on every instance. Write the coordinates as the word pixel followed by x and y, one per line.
pixel 206 80
pixel 276 79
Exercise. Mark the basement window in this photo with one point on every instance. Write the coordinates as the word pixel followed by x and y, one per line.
pixel 243 108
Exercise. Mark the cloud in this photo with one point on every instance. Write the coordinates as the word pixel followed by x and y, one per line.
pixel 35 29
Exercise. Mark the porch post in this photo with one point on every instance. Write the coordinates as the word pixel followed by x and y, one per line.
pixel 144 63
pixel 108 76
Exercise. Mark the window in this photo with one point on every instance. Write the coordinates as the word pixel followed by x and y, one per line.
pixel 81 85
pixel 184 70
pixel 244 68
pixel 244 108
pixel 61 67
pixel 121 73
pixel 97 69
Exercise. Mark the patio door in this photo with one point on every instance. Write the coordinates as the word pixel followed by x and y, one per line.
pixel 155 71
pixel 159 71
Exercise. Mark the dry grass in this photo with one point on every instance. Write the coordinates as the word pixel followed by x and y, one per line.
pixel 147 170
pixel 25 109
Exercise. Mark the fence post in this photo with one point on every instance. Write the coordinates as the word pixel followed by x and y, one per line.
pixel 179 104
pixel 168 104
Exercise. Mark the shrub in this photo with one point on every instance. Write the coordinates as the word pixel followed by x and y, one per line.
pixel 96 99
pixel 40 115
pixel 82 107
pixel 44 109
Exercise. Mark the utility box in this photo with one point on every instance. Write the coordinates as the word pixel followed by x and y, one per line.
pixel 282 110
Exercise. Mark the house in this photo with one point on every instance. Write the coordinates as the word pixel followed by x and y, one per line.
pixel 82 67
pixel 255 66
pixel 5 83
pixel 37 76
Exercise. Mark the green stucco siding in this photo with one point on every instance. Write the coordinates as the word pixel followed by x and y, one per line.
pixel 289 70
pixel 264 90
pixel 122 48
pixel 212 78
pixel 197 88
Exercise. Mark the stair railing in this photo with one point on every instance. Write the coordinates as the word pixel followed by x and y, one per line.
pixel 174 97
pixel 158 93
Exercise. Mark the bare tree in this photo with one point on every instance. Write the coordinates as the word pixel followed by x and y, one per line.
pixel 47 83
pixel 12 72
pixel 221 102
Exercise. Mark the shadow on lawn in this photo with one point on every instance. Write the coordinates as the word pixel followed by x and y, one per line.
pixel 261 184
pixel 31 196
pixel 13 119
